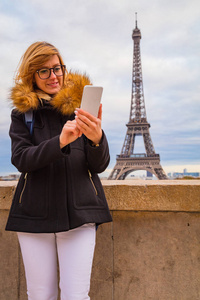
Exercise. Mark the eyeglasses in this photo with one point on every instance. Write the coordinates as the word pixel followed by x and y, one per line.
pixel 45 73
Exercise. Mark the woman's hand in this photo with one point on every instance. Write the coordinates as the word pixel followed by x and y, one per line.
pixel 89 125
pixel 69 133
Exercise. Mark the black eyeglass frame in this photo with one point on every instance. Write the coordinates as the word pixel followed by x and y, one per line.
pixel 63 70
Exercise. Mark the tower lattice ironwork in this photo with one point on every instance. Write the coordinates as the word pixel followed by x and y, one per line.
pixel 129 161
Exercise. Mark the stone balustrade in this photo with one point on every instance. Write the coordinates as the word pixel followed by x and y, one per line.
pixel 151 250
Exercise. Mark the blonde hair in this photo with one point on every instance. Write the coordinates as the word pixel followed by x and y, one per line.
pixel 35 56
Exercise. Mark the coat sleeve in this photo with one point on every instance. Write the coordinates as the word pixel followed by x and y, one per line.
pixel 27 157
pixel 98 158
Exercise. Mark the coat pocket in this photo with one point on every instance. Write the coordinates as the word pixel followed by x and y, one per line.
pixel 92 182
pixel 23 188
pixel 30 199
pixel 87 191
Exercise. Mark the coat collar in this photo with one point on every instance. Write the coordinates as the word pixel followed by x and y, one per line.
pixel 65 101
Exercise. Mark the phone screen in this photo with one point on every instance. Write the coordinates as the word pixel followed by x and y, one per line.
pixel 91 99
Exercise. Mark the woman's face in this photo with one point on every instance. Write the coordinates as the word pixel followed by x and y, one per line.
pixel 53 84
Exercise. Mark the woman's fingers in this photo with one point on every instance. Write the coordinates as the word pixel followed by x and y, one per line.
pixel 69 133
pixel 89 125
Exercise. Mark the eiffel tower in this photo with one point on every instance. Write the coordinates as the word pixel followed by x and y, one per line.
pixel 129 161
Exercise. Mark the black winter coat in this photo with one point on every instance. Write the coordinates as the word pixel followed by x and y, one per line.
pixel 58 189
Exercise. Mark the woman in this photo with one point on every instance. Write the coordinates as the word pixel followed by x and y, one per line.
pixel 59 199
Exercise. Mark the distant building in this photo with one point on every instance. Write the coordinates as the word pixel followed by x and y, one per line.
pixel 184 171
pixel 184 174
pixel 10 177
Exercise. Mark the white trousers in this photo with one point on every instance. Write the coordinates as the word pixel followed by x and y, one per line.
pixel 74 249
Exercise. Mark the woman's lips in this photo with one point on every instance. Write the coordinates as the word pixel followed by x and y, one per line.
pixel 53 84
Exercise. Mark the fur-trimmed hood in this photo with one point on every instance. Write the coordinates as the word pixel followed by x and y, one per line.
pixel 65 101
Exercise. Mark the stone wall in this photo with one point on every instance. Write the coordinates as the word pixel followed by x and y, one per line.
pixel 151 250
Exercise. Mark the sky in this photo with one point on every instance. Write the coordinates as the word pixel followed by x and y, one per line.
pixel 94 36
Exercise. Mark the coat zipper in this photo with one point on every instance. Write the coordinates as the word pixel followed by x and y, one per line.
pixel 25 181
pixel 90 176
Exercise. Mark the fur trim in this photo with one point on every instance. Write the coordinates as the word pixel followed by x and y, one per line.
pixel 65 101
pixel 69 98
pixel 23 99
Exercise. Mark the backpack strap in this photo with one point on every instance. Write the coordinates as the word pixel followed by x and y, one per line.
pixel 29 120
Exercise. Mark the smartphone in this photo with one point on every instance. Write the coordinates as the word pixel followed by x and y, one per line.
pixel 91 99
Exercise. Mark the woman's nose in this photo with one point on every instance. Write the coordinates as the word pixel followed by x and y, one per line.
pixel 52 75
